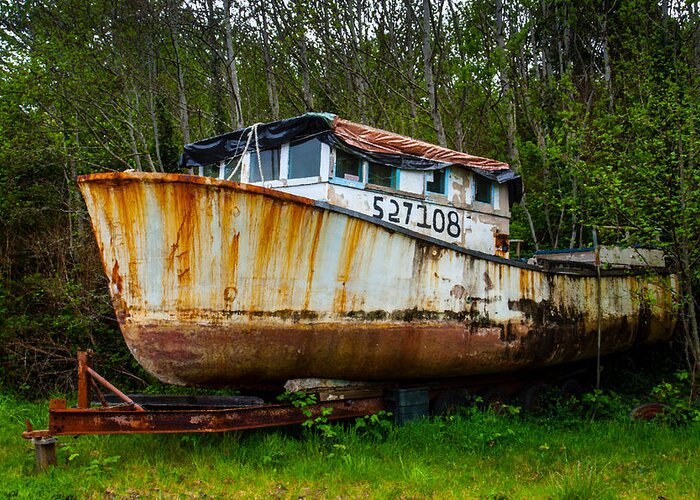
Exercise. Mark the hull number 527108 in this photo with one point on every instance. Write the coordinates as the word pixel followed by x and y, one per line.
pixel 435 219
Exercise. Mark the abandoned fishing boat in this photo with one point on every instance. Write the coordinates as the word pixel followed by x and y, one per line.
pixel 318 247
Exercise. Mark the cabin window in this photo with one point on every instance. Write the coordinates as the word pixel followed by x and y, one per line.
pixel 382 175
pixel 211 171
pixel 347 166
pixel 483 189
pixel 270 163
pixel 436 181
pixel 229 168
pixel 304 158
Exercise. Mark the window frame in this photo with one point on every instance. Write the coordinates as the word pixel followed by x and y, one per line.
pixel 396 177
pixel 284 179
pixel 222 169
pixel 267 182
pixel 324 160
pixel 476 191
pixel 347 182
pixel 445 183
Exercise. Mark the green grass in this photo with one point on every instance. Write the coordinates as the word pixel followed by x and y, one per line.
pixel 477 454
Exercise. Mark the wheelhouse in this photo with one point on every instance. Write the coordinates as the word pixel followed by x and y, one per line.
pixel 461 204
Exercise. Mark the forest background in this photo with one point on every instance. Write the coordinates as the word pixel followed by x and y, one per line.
pixel 595 103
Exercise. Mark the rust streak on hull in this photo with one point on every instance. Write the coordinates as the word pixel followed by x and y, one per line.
pixel 219 283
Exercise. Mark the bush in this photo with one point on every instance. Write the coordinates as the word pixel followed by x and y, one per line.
pixel 44 321
pixel 680 409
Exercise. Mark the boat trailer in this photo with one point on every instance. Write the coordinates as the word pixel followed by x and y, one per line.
pixel 119 413
pixel 144 414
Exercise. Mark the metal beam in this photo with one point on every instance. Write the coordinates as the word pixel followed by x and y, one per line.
pixel 77 421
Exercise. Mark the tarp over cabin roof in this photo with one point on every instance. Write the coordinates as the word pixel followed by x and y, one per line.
pixel 369 143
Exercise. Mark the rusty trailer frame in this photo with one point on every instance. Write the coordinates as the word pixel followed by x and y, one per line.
pixel 129 417
pixel 119 413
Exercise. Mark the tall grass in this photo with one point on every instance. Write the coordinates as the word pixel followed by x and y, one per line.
pixel 473 454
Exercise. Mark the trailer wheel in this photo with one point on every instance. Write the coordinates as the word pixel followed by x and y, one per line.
pixel 647 411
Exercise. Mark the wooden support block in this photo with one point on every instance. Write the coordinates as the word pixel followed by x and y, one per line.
pixel 45 452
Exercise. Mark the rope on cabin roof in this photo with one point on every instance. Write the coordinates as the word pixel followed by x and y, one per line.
pixel 253 132
pixel 257 150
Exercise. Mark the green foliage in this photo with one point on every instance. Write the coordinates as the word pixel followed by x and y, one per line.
pixel 45 322
pixel 298 399
pixel 67 453
pixel 602 405
pixel 377 425
pixel 680 409
pixel 318 422
pixel 99 465
pixel 598 109
pixel 583 481
pixel 489 421
pixel 443 457
pixel 274 452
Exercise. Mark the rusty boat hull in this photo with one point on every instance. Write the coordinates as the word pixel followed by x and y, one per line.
pixel 218 283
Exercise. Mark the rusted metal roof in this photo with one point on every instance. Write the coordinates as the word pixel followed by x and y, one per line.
pixel 381 141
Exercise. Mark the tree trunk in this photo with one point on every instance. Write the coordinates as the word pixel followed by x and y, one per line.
pixel 76 228
pixel 151 104
pixel 687 271
pixel 428 74
pixel 411 77
pixel 137 130
pixel 235 101
pixel 574 194
pixel 512 152
pixel 305 75
pixel 459 133
pixel 511 118
pixel 546 63
pixel 359 85
pixel 132 135
pixel 607 75
pixel 182 97
pixel 695 22
pixel 269 74
pixel 216 91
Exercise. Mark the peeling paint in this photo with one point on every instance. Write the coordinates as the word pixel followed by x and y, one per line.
pixel 218 283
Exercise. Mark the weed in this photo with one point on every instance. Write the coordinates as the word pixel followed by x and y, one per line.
pixel 491 439
pixel 584 481
pixel 272 457
pixel 509 410
pixel 680 410
pixel 298 399
pixel 98 465
pixel 192 440
pixel 376 425
pixel 486 427
pixel 599 404
pixel 473 454
pixel 159 388
pixel 320 422
pixel 273 449
pixel 68 452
